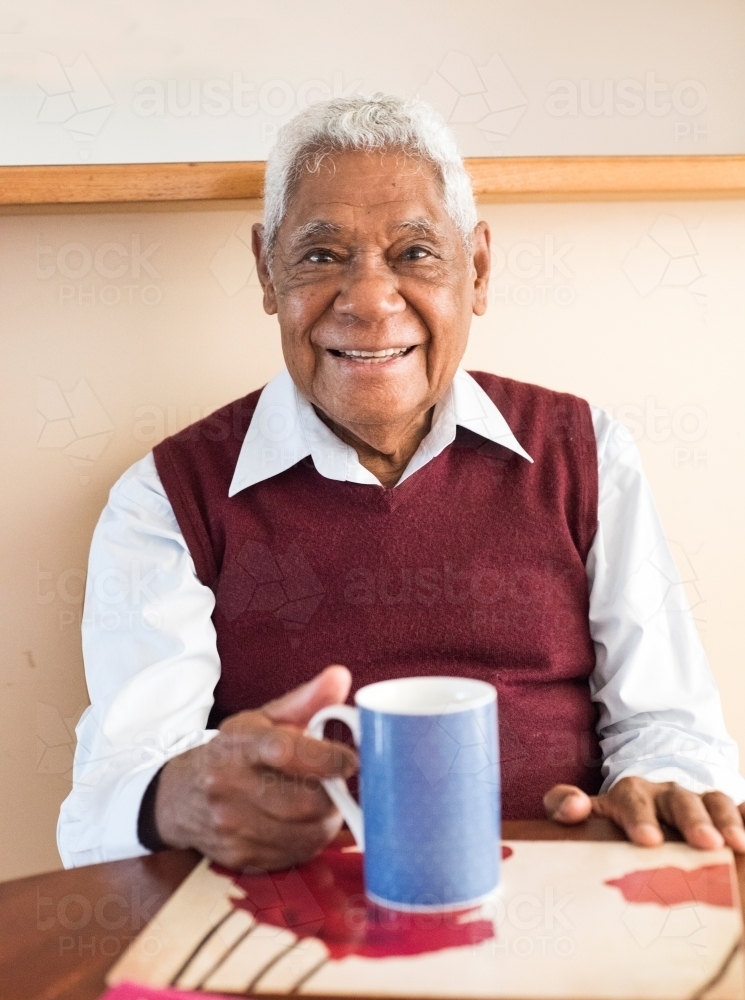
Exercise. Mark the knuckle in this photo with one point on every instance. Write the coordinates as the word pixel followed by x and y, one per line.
pixel 312 752
pixel 246 748
pixel 718 800
pixel 294 798
pixel 314 839
pixel 329 826
pixel 238 722
pixel 631 783
pixel 634 796
pixel 273 783
pixel 210 783
pixel 277 747
pixel 221 821
pixel 233 856
pixel 314 790
pixel 310 808
pixel 685 801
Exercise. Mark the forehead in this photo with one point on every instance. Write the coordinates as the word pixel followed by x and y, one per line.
pixel 353 188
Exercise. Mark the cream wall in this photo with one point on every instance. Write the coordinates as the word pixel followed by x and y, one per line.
pixel 584 299
pixel 132 80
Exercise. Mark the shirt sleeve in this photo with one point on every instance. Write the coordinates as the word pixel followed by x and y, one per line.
pixel 151 665
pixel 660 713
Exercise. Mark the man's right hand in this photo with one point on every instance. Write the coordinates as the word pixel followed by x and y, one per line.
pixel 253 795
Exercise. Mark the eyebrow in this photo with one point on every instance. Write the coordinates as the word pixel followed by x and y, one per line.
pixel 323 229
pixel 418 227
pixel 313 230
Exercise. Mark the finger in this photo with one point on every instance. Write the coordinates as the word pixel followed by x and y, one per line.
pixel 287 797
pixel 238 840
pixel 249 855
pixel 567 804
pixel 226 810
pixel 287 749
pixel 631 804
pixel 291 798
pixel 686 811
pixel 726 818
pixel 298 706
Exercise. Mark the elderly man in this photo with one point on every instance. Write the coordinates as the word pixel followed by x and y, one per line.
pixel 378 507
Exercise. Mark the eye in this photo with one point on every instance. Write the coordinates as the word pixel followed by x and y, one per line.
pixel 415 253
pixel 319 256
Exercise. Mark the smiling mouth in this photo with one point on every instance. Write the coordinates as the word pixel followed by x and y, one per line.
pixel 373 357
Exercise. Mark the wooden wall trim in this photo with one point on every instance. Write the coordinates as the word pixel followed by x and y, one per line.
pixel 117 182
pixel 560 177
pixel 551 178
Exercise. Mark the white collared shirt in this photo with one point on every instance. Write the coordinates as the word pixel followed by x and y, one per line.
pixel 285 429
pixel 150 652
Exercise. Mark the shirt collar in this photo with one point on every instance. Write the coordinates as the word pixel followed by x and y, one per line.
pixel 285 429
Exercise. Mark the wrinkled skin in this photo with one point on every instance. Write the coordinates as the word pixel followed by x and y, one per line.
pixel 384 267
pixel 637 806
pixel 253 795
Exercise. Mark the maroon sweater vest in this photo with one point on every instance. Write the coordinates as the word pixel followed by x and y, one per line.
pixel 474 566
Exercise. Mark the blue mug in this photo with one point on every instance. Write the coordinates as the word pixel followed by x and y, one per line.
pixel 429 824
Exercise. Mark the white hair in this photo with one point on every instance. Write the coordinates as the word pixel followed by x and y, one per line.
pixel 379 122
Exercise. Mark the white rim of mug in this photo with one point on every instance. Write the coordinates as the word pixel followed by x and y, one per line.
pixel 484 694
pixel 466 904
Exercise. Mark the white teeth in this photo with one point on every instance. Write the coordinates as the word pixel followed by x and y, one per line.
pixel 371 357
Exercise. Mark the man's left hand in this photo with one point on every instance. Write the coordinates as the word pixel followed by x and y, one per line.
pixel 637 806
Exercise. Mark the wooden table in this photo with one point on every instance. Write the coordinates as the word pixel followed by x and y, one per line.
pixel 60 932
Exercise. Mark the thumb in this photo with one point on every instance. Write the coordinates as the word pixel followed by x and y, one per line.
pixel 567 804
pixel 298 706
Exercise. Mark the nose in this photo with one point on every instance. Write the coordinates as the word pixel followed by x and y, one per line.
pixel 369 293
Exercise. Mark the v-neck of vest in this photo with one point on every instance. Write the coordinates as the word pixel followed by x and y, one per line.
pixel 390 497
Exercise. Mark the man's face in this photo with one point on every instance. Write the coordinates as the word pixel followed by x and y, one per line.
pixel 366 261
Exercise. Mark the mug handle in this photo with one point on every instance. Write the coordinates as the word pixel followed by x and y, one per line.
pixel 337 787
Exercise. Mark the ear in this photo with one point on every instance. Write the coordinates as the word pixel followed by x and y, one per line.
pixel 258 246
pixel 481 260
